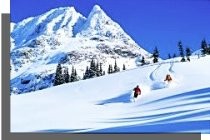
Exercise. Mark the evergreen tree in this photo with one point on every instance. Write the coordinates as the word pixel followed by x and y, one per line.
pixel 204 47
pixel 188 53
pixel 62 77
pixel 110 70
pixel 92 70
pixel 75 75
pixel 66 75
pixel 100 70
pixel 116 69
pixel 58 76
pixel 208 50
pixel 169 56
pixel 143 61
pixel 174 55
pixel 155 55
pixel 181 51
pixel 87 73
pixel 124 67
pixel 72 78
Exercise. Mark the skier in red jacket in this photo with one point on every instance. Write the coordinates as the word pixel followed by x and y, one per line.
pixel 137 91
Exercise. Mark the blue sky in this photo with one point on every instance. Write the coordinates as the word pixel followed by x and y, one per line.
pixel 150 23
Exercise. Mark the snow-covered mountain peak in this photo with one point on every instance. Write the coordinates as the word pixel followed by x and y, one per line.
pixel 69 9
pixel 98 14
pixel 63 20
pixel 97 23
pixel 96 10
pixel 59 10
pixel 62 35
pixel 100 25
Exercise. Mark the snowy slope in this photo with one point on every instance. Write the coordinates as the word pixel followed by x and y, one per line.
pixel 63 35
pixel 103 104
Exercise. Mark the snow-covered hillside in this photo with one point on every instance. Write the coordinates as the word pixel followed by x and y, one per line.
pixel 63 35
pixel 103 104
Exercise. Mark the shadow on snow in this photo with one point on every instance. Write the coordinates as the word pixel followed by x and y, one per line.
pixel 124 98
pixel 189 126
pixel 185 94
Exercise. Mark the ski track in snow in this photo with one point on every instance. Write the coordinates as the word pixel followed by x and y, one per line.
pixel 171 67
pixel 153 74
pixel 157 78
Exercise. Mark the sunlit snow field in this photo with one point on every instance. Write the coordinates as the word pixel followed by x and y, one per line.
pixel 105 104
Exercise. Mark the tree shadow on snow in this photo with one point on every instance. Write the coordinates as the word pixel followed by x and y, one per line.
pixel 187 95
pixel 124 98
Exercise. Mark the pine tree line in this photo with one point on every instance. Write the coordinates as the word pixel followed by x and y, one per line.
pixel 184 53
pixel 205 50
pixel 94 70
pixel 155 54
pixel 114 69
pixel 62 75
